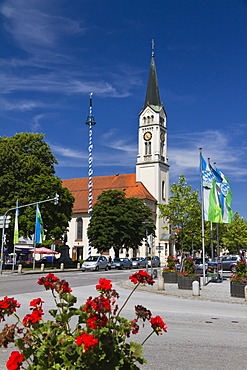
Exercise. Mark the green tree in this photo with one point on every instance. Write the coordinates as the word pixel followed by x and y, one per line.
pixel 235 234
pixel 183 212
pixel 119 222
pixel 27 173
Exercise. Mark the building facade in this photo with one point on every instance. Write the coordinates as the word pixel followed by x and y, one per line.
pixel 150 182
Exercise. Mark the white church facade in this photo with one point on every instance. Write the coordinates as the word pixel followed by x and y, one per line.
pixel 150 182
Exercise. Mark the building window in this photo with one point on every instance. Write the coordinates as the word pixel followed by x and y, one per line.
pixel 163 190
pixel 79 228
pixel 148 148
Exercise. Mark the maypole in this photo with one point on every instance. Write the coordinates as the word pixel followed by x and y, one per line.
pixel 90 122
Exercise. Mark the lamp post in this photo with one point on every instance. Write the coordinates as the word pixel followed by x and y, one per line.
pixel 5 217
pixel 192 244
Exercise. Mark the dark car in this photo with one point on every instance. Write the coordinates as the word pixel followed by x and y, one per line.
pixel 155 261
pixel 138 262
pixel 121 263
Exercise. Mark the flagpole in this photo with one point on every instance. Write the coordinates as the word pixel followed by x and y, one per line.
pixel 16 235
pixel 203 231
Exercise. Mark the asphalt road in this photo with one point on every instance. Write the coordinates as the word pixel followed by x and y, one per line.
pixel 201 334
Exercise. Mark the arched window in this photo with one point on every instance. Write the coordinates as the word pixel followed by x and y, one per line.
pixel 148 148
pixel 79 228
pixel 163 190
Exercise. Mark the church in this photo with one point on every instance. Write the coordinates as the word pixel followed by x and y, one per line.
pixel 150 182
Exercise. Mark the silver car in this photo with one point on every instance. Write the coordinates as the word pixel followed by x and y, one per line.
pixel 138 262
pixel 155 261
pixel 95 263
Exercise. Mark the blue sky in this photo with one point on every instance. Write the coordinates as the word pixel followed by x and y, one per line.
pixel 53 53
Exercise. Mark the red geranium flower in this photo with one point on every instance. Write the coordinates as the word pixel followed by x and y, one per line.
pixel 32 318
pixel 134 326
pixel 158 324
pixel 104 285
pixel 96 320
pixel 87 340
pixel 8 306
pixel 142 277
pixel 15 360
pixel 36 302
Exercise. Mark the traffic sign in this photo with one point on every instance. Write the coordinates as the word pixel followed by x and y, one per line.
pixel 7 221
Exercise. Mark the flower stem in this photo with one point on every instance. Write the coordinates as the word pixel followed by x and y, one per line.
pixel 127 299
pixel 147 337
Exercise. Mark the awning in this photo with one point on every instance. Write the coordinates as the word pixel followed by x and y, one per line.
pixel 166 236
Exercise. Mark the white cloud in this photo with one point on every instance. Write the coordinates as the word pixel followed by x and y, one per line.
pixel 31 25
pixel 21 105
pixel 217 145
pixel 67 152
pixel 35 124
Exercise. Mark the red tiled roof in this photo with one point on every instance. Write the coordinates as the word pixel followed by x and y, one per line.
pixel 127 183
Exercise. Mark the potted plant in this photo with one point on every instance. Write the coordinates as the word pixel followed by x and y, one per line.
pixel 169 272
pixel 91 336
pixel 239 280
pixel 187 276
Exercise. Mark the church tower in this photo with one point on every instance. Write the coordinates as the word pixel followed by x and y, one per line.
pixel 152 167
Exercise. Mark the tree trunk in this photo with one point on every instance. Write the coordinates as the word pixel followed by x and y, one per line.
pixel 116 252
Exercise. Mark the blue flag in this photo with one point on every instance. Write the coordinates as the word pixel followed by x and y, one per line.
pixel 39 227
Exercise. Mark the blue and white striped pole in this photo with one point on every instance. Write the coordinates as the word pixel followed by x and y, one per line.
pixel 90 122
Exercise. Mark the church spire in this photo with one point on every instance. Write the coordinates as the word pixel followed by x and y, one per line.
pixel 152 94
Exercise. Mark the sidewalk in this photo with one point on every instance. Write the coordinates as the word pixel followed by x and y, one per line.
pixel 214 292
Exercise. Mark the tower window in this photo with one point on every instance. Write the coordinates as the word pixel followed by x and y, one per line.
pixel 163 190
pixel 144 120
pixel 148 148
pixel 79 228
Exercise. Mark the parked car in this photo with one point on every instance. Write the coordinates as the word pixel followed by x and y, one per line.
pixel 121 263
pixel 155 261
pixel 198 262
pixel 95 263
pixel 199 265
pixel 229 262
pixel 138 262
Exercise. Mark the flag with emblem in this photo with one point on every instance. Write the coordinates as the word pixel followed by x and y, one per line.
pixel 224 194
pixel 210 197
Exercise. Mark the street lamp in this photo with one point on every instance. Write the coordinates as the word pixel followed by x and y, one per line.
pixel 192 245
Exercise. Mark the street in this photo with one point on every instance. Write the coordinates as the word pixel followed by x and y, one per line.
pixel 201 334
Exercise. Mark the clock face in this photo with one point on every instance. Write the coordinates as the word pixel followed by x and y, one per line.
pixel 162 136
pixel 147 136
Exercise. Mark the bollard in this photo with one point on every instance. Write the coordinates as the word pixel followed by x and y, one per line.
pixel 245 292
pixel 62 266
pixel 78 266
pixel 161 285
pixel 42 267
pixel 19 269
pixel 196 288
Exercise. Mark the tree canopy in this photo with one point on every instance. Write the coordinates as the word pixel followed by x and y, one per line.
pixel 183 213
pixel 235 235
pixel 27 173
pixel 119 222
